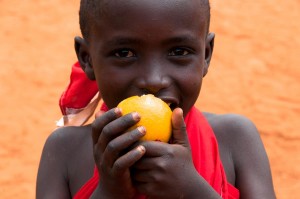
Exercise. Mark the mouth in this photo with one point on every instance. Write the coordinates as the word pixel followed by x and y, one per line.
pixel 171 102
pixel 172 106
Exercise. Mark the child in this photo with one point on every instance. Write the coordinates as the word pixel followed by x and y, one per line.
pixel 163 48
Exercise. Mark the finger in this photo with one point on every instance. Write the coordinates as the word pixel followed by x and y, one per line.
pixel 119 144
pixel 128 159
pixel 179 134
pixel 155 148
pixel 100 122
pixel 99 113
pixel 147 163
pixel 117 127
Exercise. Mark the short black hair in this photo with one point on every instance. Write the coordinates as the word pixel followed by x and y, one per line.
pixel 90 11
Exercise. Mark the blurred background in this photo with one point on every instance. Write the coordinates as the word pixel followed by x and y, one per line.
pixel 254 72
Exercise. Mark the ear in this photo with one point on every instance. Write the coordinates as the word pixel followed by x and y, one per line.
pixel 84 58
pixel 209 47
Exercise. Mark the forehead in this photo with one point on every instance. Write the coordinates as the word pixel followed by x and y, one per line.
pixel 159 14
pixel 154 7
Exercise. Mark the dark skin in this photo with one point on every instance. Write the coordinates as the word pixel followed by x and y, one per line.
pixel 163 49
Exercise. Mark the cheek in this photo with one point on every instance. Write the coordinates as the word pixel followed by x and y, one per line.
pixel 109 94
pixel 113 87
pixel 191 75
pixel 192 81
pixel 191 89
pixel 194 88
pixel 107 87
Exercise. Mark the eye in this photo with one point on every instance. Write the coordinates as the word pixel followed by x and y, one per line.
pixel 179 52
pixel 124 53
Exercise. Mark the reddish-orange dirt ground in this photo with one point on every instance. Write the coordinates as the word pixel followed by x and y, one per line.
pixel 254 72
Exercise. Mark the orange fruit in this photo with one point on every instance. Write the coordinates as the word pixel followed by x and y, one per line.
pixel 155 116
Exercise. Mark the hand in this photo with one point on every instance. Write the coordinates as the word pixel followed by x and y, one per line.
pixel 99 113
pixel 113 152
pixel 167 170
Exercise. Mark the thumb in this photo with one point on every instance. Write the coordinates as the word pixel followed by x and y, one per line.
pixel 179 134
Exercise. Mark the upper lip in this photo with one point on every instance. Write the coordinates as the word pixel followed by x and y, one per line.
pixel 171 101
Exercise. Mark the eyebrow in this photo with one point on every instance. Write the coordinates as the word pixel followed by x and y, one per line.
pixel 181 39
pixel 123 41
pixel 185 38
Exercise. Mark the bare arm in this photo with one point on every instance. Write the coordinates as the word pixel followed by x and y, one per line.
pixel 252 168
pixel 51 179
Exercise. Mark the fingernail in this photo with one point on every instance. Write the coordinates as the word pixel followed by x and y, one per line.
pixel 142 130
pixel 180 111
pixel 136 116
pixel 118 111
pixel 141 148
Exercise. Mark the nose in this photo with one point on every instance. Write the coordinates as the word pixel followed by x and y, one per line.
pixel 153 79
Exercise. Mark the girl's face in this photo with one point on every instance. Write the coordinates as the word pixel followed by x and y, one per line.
pixel 160 47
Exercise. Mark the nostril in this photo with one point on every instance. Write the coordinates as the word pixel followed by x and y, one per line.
pixel 152 85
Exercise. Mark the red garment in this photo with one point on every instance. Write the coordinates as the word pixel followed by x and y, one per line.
pixel 79 92
pixel 205 155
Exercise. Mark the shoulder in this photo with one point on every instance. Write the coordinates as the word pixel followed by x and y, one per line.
pixel 242 149
pixel 235 132
pixel 229 121
pixel 68 139
pixel 229 128
pixel 66 151
pixel 71 146
pixel 62 143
